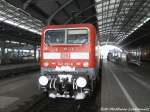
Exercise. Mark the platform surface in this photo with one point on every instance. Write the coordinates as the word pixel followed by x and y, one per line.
pixel 14 66
pixel 15 91
pixel 125 87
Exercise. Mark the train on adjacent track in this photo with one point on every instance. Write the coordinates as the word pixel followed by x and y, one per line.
pixel 68 61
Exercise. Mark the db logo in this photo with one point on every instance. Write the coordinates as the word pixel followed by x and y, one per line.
pixel 65 55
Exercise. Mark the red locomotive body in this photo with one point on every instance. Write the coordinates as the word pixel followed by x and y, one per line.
pixel 68 62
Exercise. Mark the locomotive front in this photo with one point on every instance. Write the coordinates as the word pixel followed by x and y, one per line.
pixel 68 61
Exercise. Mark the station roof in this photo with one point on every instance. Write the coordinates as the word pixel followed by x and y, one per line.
pixel 115 20
pixel 11 33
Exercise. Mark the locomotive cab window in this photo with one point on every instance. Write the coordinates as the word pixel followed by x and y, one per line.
pixel 77 36
pixel 54 37
pixel 68 36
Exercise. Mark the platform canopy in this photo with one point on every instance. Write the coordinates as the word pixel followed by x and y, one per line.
pixel 115 20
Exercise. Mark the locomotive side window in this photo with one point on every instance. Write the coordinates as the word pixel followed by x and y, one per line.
pixel 54 37
pixel 77 36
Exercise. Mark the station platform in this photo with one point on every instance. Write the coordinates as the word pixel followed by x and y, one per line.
pixel 18 68
pixel 125 87
pixel 15 91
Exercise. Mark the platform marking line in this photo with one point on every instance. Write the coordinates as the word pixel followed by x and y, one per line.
pixel 132 103
pixel 146 85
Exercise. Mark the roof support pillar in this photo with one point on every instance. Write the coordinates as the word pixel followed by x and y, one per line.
pixel 3 52
pixel 35 48
pixel 18 53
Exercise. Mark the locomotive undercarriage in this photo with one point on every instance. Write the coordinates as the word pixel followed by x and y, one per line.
pixel 69 84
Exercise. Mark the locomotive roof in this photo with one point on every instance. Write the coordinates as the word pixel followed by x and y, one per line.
pixel 70 26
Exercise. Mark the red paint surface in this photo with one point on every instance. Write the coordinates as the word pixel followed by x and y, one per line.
pixel 90 47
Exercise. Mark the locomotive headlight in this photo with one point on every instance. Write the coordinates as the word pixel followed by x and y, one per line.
pixel 43 80
pixel 85 64
pixel 81 82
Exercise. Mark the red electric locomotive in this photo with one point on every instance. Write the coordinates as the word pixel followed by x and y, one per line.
pixel 68 62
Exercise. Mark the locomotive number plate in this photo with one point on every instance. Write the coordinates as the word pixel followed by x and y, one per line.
pixel 65 55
